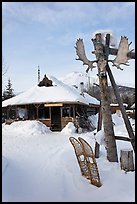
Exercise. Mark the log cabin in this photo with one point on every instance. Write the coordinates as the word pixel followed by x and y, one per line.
pixel 52 102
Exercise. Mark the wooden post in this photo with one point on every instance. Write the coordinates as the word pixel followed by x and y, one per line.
pixel 105 103
pixel 7 113
pixel 126 160
pixel 123 111
pixel 37 110
pixel 98 128
pixel 123 138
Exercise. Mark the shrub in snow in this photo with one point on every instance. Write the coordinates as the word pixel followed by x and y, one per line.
pixel 69 128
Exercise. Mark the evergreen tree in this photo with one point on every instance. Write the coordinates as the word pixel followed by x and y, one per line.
pixel 8 92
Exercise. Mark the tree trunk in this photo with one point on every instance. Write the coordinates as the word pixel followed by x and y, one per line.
pixel 107 122
pixel 105 103
pixel 126 160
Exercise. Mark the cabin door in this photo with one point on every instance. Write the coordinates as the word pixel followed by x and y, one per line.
pixel 55 118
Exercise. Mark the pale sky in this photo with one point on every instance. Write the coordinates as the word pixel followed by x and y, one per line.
pixel 44 34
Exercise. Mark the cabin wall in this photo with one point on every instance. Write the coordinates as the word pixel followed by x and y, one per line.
pixel 66 120
pixel 114 109
pixel 47 122
pixel 56 116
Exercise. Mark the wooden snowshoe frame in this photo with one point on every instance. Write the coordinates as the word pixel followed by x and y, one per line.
pixel 80 156
pixel 91 163
pixel 86 160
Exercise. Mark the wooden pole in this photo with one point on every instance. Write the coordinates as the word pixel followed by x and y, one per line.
pixel 105 103
pixel 126 160
pixel 97 146
pixel 123 138
pixel 123 111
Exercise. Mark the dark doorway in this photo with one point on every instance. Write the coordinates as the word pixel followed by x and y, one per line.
pixel 55 119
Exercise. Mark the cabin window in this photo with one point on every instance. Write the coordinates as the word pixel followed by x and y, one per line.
pixel 41 113
pixel 47 115
pixel 44 112
pixel 22 113
pixel 9 113
pixel 31 112
pixel 92 111
pixel 67 112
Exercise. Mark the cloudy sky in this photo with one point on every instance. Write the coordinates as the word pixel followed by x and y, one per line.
pixel 44 34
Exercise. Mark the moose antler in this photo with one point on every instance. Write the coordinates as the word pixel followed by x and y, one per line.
pixel 123 50
pixel 80 51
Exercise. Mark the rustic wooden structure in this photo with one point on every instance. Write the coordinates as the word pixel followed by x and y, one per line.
pixel 45 82
pixel 123 111
pixel 86 160
pixel 55 115
pixel 126 160
pixel 102 52
pixel 102 58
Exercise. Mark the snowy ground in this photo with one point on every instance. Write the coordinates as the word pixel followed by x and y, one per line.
pixel 40 166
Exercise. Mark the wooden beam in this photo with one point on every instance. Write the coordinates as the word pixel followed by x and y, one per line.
pixel 123 111
pixel 123 138
pixel 113 51
pixel 52 104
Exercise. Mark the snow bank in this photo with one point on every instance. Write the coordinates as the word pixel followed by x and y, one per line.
pixel 117 118
pixel 45 168
pixel 26 128
pixel 69 128
pixel 100 137
pixel 119 125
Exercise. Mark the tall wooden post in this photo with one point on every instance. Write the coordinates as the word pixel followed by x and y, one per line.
pixel 105 103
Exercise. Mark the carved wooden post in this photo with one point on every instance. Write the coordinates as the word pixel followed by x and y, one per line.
pixel 105 103
pixel 126 160
pixel 102 52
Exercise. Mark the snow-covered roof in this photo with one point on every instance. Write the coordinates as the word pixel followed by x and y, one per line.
pixel 133 106
pixel 117 105
pixel 59 92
